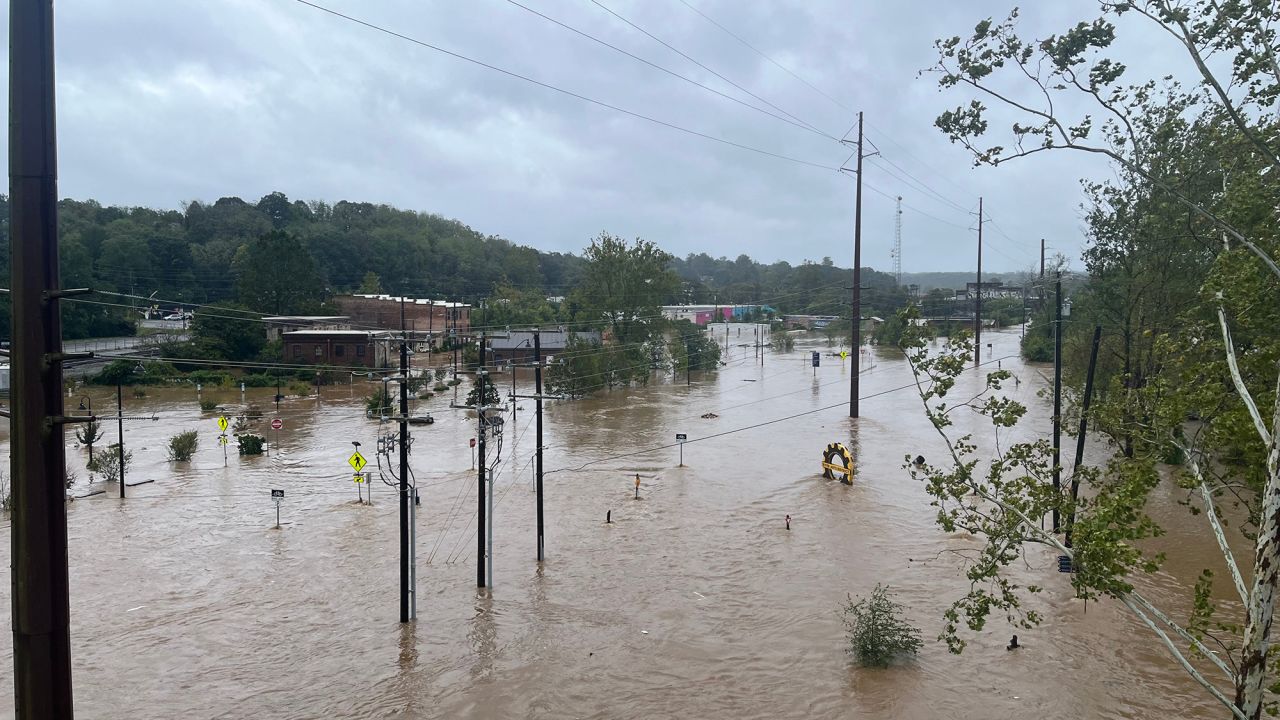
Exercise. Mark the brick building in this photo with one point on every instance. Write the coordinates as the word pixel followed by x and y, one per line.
pixel 423 318
pixel 342 348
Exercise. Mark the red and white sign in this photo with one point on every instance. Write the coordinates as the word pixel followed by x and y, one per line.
pixel 276 423
pixel 473 442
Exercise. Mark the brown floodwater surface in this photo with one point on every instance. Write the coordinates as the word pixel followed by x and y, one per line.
pixel 695 601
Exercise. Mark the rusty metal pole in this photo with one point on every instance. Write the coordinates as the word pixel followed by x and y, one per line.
pixel 41 608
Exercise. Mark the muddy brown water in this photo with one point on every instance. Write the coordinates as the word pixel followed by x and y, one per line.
pixel 695 602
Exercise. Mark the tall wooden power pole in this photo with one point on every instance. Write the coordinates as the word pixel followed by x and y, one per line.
pixel 41 608
pixel 977 307
pixel 857 283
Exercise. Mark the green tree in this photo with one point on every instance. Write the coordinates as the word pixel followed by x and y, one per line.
pixel 226 331
pixel 276 274
pixel 370 285
pixel 624 285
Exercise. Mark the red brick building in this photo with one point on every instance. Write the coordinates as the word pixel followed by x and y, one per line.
pixel 341 348
pixel 423 318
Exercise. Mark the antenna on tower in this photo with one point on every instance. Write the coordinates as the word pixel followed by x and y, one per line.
pixel 896 252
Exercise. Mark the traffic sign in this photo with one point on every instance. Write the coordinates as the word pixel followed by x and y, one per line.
pixel 222 439
pixel 681 437
pixel 276 423
pixel 222 423
pixel 357 478
pixel 473 442
pixel 277 494
pixel 844 354
pixel 357 461
pixel 817 358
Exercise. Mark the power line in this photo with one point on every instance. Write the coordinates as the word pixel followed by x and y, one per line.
pixel 563 91
pixel 796 122
pixel 713 72
pixel 766 57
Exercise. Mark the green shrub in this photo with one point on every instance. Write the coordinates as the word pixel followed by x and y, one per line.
pixel 183 445
pixel 379 403
pixel 107 464
pixel 300 389
pixel 876 630
pixel 208 404
pixel 440 387
pixel 139 392
pixel 249 444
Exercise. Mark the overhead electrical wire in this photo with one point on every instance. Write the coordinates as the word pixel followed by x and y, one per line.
pixel 561 90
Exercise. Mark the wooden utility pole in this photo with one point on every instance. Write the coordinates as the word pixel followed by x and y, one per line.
pixel 38 529
pixel 537 389
pixel 977 307
pixel 406 612
pixel 1084 426
pixel 481 564
pixel 857 283
pixel 1057 398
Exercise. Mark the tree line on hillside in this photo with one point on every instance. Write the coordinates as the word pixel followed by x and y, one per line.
pixel 278 255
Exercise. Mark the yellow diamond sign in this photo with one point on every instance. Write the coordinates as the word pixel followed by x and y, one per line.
pixel 357 461
pixel 844 354
pixel 222 423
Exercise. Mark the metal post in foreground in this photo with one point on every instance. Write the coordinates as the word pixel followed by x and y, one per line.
pixel 1057 398
pixel 857 284
pixel 480 438
pixel 41 609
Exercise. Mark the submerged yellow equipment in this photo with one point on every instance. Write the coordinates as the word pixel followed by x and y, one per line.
pixel 837 463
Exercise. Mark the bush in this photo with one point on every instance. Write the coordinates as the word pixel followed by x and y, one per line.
pixel 139 392
pixel 300 389
pixel 107 464
pixel 250 444
pixel 209 377
pixel 208 404
pixel 183 445
pixel 876 629
pixel 782 341
pixel 440 387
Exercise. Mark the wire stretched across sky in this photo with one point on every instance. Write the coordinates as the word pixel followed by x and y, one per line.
pixel 563 91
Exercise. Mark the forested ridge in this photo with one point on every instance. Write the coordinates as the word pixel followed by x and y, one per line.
pixel 282 255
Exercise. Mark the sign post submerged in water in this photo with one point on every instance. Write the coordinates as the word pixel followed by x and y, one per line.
pixel 681 438
pixel 278 497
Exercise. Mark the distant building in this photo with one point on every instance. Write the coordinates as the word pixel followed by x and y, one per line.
pixel 432 320
pixel 279 324
pixel 516 346
pixel 990 290
pixel 809 322
pixel 342 348
pixel 703 314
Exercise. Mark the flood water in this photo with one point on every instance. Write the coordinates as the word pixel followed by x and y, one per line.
pixel 695 602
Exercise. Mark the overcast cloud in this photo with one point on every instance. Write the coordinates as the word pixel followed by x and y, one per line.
pixel 162 102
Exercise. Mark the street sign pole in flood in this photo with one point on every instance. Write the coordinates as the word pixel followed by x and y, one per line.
pixel 681 438
pixel 278 496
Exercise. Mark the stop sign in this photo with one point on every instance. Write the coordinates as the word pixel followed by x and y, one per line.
pixel 276 423
pixel 473 442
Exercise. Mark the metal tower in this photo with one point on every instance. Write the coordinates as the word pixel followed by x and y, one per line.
pixel 896 252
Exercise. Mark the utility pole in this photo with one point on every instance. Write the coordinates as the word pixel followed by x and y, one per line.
pixel 480 436
pixel 1084 426
pixel 120 428
pixel 537 390
pixel 897 243
pixel 857 283
pixel 977 308
pixel 405 548
pixel 41 608
pixel 1057 397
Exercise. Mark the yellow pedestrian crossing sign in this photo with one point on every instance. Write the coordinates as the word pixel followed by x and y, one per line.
pixel 222 423
pixel 844 354
pixel 357 461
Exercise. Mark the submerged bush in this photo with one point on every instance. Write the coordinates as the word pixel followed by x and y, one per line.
pixel 183 445
pixel 208 404
pixel 876 629
pixel 250 444
pixel 107 464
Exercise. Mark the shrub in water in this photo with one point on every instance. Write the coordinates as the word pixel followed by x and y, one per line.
pixel 183 445
pixel 876 629
pixel 208 404
pixel 250 444
pixel 107 464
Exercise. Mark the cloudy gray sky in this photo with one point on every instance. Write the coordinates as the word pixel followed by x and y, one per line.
pixel 162 102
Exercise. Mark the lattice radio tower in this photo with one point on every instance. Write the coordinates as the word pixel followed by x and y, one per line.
pixel 896 252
